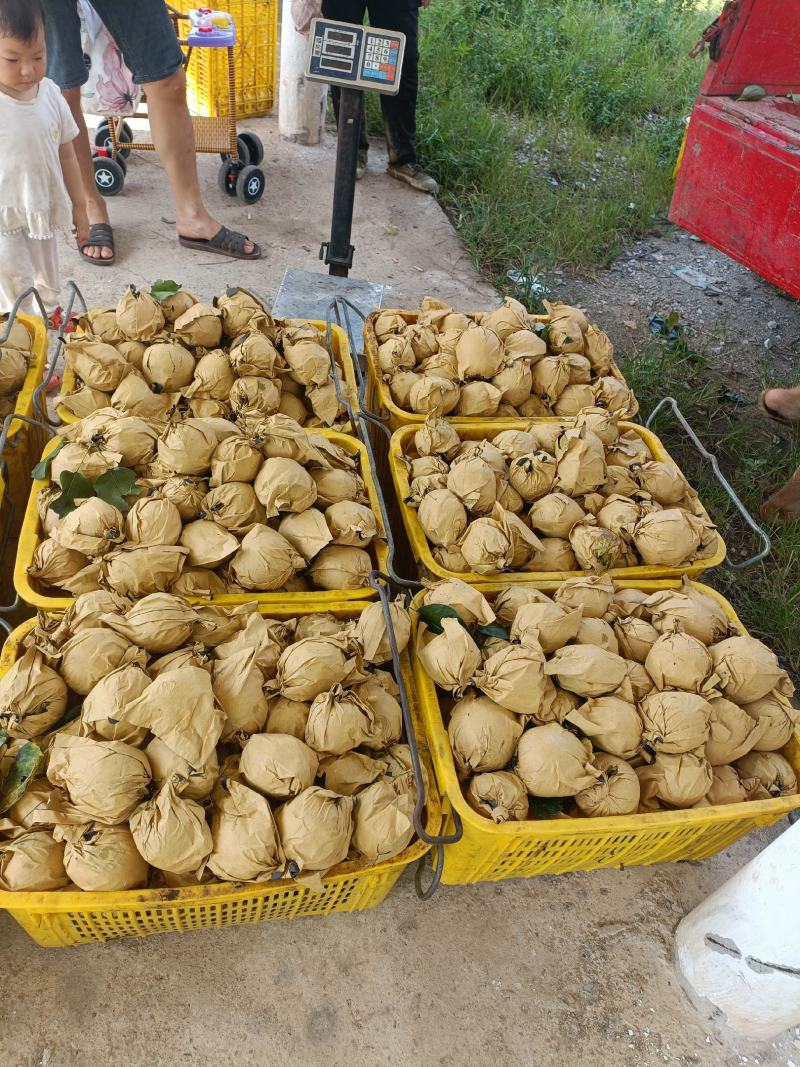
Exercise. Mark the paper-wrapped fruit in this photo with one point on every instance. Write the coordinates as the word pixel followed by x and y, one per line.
pixel 208 743
pixel 503 363
pixel 568 496
pixel 596 699
pixel 16 359
pixel 150 356
pixel 203 507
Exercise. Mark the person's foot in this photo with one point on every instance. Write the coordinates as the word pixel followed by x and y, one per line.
pixel 783 403
pixel 97 213
pixel 361 166
pixel 205 228
pixel 785 503
pixel 413 174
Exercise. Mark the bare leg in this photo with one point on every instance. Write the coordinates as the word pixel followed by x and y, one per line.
pixel 784 402
pixel 173 137
pixel 95 203
pixel 785 503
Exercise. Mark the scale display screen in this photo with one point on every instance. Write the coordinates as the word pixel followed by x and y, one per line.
pixel 360 57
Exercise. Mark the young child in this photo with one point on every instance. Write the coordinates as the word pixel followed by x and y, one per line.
pixel 39 173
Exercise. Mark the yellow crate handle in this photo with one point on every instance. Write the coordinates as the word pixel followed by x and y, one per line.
pixel 672 403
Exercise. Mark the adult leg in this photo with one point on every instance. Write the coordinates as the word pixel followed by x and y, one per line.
pixel 146 37
pixel 173 136
pixel 400 111
pixel 66 68
pixel 95 201
pixel 785 503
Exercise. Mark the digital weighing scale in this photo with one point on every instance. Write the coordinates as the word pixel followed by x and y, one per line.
pixel 354 58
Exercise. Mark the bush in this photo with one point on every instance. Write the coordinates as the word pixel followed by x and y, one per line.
pixel 545 120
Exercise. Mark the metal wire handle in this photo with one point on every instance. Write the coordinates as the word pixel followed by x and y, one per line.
pixel 39 405
pixel 336 307
pixel 670 402
pixel 358 420
pixel 379 582
pixel 438 867
pixel 12 315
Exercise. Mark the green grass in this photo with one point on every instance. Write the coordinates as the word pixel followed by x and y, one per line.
pixel 553 125
pixel 757 457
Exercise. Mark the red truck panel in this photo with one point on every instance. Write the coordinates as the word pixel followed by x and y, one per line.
pixel 759 45
pixel 738 186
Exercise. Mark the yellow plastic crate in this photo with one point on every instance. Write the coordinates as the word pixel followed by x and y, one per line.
pixel 30 537
pixel 476 430
pixel 256 56
pixel 341 350
pixel 24 443
pixel 491 852
pixel 379 396
pixel 61 919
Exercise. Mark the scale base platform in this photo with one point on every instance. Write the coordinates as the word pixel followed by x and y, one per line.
pixel 305 294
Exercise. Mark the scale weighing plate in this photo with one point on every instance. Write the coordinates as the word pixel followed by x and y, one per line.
pixel 305 294
pixel 357 57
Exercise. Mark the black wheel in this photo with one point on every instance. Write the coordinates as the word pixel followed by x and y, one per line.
pixel 254 146
pixel 243 149
pixel 119 158
pixel 250 185
pixel 228 175
pixel 102 138
pixel 109 177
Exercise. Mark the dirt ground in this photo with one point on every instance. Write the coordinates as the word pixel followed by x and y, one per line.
pixel 748 329
pixel 568 971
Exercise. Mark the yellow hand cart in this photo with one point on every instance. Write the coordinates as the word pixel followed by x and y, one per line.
pixel 242 153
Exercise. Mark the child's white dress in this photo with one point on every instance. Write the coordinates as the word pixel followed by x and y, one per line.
pixel 34 204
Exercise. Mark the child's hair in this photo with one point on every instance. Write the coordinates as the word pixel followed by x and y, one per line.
pixel 21 19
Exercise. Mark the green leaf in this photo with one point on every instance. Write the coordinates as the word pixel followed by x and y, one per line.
pixel 547 807
pixel 114 485
pixel 41 472
pixel 160 290
pixel 494 629
pixel 24 768
pixel 68 716
pixel 542 328
pixel 74 486
pixel 752 92
pixel 4 738
pixel 432 615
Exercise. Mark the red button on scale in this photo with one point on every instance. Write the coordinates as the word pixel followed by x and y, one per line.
pixel 390 70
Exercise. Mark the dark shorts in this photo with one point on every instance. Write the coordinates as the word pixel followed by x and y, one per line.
pixel 142 29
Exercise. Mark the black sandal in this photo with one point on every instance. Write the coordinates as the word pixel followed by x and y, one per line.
pixel 100 236
pixel 225 242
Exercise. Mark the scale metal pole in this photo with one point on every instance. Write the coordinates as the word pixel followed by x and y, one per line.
pixel 338 252
pixel 354 58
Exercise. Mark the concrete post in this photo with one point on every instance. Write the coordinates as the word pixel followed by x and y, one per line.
pixel 301 103
pixel 740 949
